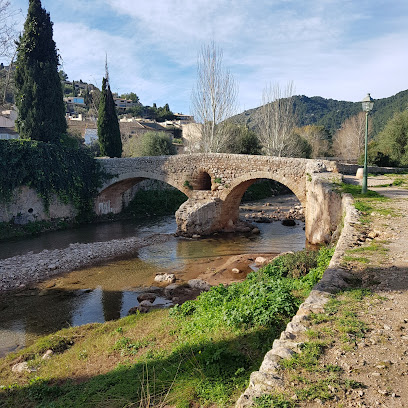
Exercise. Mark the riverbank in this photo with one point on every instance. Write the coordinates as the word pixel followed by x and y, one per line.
pixel 348 345
pixel 197 354
pixel 20 271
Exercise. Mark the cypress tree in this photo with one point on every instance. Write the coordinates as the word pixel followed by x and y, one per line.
pixel 39 98
pixel 109 138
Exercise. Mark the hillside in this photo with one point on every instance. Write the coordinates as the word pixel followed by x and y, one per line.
pixel 332 113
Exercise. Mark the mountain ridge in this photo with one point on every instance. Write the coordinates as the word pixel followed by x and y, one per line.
pixel 331 113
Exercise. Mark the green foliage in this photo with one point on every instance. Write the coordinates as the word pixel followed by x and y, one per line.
pixel 54 342
pixel 242 140
pixel 187 184
pixel 72 174
pixel 299 147
pixel 108 125
pixel 265 298
pixel 130 96
pixel 39 98
pixel 155 202
pixel 127 347
pixel 156 144
pixel 160 114
pixel 393 140
pixel 375 157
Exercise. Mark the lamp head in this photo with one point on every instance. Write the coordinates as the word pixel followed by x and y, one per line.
pixel 367 103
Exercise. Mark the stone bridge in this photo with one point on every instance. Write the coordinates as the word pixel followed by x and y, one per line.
pixel 215 184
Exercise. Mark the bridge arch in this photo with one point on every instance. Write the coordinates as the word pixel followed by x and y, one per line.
pixel 233 196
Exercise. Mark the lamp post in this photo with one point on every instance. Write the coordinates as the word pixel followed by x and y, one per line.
pixel 368 104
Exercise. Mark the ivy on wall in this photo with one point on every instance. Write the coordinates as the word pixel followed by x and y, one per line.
pixel 70 173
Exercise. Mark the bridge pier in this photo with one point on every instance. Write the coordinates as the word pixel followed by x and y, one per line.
pixel 204 214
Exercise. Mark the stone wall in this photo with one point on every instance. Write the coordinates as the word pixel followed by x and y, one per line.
pixel 25 206
pixel 351 169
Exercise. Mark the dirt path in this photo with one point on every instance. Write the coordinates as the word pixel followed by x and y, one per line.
pixel 377 361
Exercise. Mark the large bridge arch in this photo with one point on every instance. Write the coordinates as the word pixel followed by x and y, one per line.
pixel 233 196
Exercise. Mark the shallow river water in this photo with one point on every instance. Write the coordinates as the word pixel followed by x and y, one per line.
pixel 108 291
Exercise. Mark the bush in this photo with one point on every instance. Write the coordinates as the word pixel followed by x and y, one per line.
pixel 267 297
pixel 150 144
pixel 264 189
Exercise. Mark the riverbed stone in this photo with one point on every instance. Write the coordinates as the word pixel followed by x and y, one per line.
pixel 199 284
pixel 165 278
pixel 260 260
pixel 151 297
pixel 146 303
pixel 21 368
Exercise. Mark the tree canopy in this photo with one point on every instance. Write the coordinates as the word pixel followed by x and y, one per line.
pixel 39 97
pixel 393 140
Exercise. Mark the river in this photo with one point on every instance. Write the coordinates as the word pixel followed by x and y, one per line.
pixel 108 291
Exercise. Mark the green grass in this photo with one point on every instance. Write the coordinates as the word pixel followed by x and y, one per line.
pixel 360 259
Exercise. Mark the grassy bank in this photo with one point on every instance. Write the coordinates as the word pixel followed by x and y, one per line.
pixel 198 354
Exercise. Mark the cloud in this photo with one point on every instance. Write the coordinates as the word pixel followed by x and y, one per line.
pixel 338 49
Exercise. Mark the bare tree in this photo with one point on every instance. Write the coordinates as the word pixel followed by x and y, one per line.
pixel 8 48
pixel 213 99
pixel 348 141
pixel 7 29
pixel 277 120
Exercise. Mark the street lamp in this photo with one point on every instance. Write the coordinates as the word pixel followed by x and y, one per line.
pixel 368 104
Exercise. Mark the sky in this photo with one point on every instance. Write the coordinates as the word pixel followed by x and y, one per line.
pixel 338 49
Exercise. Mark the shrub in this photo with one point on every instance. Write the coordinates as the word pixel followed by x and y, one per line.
pixel 268 297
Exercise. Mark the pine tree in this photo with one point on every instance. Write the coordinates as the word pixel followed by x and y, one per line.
pixel 110 141
pixel 39 98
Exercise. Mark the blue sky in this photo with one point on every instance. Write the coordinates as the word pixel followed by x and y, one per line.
pixel 339 49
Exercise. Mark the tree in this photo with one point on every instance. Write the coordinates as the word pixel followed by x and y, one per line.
pixel 8 36
pixel 277 120
pixel 348 141
pixel 39 99
pixel 213 99
pixel 63 76
pixel 317 137
pixel 242 140
pixel 150 144
pixel 7 29
pixel 393 140
pixel 108 125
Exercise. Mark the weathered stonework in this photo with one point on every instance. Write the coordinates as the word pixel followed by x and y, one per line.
pixel 215 184
pixel 25 206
